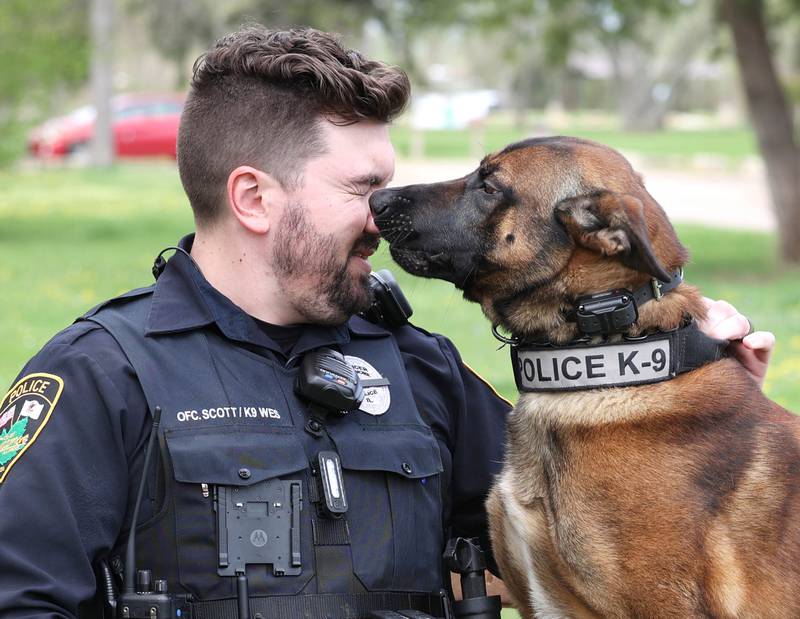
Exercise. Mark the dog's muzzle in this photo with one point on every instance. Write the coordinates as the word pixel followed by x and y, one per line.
pixel 421 243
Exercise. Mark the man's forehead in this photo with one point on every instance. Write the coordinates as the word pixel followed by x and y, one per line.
pixel 362 149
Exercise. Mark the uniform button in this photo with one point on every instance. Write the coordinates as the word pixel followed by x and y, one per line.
pixel 406 468
pixel 315 425
pixel 244 473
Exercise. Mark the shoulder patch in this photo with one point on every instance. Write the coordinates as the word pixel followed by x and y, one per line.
pixel 24 412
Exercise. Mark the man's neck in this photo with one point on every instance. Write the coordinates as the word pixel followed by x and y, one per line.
pixel 240 271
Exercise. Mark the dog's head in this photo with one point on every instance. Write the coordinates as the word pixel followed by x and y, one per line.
pixel 536 226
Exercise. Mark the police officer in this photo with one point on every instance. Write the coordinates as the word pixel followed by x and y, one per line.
pixel 283 138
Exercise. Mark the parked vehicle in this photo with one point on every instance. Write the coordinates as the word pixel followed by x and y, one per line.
pixel 145 125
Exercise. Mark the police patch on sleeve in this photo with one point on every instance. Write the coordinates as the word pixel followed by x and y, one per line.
pixel 24 412
pixel 376 399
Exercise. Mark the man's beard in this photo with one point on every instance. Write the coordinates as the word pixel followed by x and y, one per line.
pixel 310 272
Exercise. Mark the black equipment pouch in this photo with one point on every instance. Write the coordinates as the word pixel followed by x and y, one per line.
pixel 259 524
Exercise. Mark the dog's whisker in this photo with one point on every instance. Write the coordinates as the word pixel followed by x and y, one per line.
pixel 395 234
pixel 404 236
pixel 466 278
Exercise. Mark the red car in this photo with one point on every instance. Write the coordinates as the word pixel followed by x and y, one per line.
pixel 144 126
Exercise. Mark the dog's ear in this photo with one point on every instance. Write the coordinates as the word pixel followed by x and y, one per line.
pixel 614 225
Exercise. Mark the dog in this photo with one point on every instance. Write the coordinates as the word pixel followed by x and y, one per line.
pixel 674 496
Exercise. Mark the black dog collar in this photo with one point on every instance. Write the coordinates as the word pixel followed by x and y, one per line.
pixel 614 311
pixel 631 361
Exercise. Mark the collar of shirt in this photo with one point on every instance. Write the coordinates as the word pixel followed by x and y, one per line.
pixel 184 300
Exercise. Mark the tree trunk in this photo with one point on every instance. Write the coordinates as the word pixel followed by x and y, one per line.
pixel 102 75
pixel 771 116
pixel 649 73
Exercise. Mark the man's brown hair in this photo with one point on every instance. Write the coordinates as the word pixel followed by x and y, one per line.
pixel 257 98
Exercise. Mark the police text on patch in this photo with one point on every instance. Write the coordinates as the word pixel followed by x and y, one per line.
pixel 228 412
pixel 621 364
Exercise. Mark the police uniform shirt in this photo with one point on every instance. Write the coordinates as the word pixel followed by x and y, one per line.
pixel 69 474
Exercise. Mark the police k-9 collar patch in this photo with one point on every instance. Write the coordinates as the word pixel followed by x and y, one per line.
pixel 642 361
pixel 24 412
pixel 558 369
pixel 376 399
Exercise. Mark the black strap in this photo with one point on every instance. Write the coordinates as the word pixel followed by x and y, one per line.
pixel 655 289
pixel 695 349
pixel 613 311
pixel 322 606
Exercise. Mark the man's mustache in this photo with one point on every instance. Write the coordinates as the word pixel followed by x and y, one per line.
pixel 367 243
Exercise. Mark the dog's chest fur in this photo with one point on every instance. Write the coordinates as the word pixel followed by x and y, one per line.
pixel 655 501
pixel 551 519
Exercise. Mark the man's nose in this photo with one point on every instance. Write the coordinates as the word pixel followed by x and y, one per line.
pixel 371 227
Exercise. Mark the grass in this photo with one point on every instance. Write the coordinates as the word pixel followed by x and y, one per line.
pixel 72 238
pixel 729 145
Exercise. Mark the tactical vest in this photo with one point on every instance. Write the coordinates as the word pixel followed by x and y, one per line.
pixel 233 445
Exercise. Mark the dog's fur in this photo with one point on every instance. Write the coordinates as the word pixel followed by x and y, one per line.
pixel 676 499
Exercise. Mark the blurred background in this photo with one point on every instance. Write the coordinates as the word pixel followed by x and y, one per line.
pixel 699 94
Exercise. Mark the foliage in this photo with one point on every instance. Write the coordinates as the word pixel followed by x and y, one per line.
pixel 176 26
pixel 565 22
pixel 44 46
pixel 179 27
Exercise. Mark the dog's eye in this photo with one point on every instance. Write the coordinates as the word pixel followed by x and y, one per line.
pixel 487 188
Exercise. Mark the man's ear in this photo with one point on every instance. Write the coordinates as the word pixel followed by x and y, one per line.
pixel 251 193
pixel 614 225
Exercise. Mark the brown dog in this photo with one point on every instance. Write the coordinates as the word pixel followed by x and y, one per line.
pixel 643 478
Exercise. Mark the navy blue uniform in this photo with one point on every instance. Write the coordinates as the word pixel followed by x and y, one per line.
pixel 417 465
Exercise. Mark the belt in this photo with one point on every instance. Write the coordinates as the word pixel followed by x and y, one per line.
pixel 323 605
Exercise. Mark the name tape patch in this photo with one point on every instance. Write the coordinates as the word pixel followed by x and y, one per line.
pixel 599 366
pixel 227 412
pixel 24 412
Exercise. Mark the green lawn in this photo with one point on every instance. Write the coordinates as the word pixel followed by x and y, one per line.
pixel 72 238
pixel 729 145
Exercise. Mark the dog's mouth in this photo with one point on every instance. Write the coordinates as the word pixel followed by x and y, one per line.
pixel 415 261
pixel 455 269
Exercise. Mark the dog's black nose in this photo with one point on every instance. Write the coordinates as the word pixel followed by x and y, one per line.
pixel 380 201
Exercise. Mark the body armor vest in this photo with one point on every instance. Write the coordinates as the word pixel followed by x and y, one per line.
pixel 233 446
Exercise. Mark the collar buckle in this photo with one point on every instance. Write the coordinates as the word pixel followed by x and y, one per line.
pixel 656 287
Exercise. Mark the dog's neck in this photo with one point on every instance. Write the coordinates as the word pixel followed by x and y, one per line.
pixel 540 314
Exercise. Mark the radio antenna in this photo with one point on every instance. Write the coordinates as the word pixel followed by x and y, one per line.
pixel 130 550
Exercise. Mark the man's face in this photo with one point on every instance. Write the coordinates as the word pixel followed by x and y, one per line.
pixel 325 231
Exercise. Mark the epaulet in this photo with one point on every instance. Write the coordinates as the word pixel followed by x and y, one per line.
pixel 131 294
pixel 363 327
